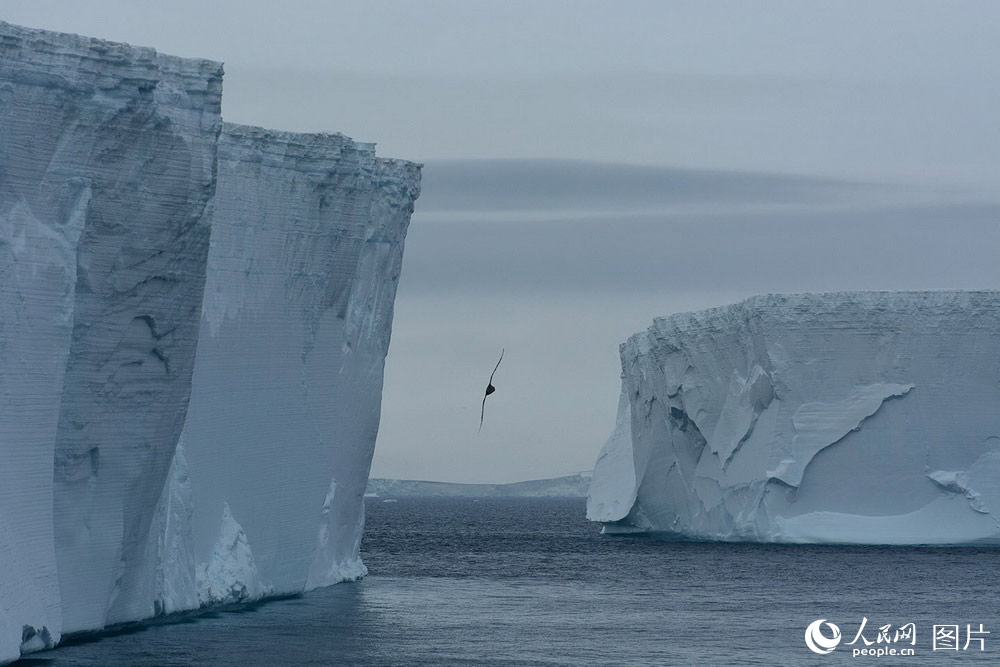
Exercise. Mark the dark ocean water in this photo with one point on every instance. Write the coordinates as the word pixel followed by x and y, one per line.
pixel 530 582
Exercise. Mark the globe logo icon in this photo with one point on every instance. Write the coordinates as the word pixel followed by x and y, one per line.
pixel 817 641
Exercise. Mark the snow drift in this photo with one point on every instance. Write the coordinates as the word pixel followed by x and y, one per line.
pixel 112 182
pixel 855 417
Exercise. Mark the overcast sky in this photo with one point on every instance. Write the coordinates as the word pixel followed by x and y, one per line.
pixel 669 155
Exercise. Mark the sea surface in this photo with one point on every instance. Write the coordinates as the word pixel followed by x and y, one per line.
pixel 530 582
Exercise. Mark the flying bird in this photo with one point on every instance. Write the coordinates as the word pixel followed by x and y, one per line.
pixel 489 390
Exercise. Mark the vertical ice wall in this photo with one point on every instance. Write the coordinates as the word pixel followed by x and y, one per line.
pixel 107 165
pixel 116 503
pixel 307 242
pixel 356 415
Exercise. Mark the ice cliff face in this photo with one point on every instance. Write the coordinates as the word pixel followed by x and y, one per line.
pixel 307 243
pixel 107 165
pixel 111 164
pixel 847 417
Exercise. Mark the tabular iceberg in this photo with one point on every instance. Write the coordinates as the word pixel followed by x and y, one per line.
pixel 854 417
pixel 117 176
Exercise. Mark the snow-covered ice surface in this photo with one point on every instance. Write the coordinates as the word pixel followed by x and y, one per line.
pixel 851 417
pixel 113 178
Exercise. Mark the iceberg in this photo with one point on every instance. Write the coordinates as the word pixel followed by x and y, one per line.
pixel 170 285
pixel 749 422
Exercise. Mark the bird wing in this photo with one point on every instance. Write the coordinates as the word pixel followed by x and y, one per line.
pixel 482 413
pixel 497 366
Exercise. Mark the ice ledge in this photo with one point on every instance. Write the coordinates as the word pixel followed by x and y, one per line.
pixel 248 143
pixel 74 62
pixel 902 529
pixel 819 425
pixel 828 306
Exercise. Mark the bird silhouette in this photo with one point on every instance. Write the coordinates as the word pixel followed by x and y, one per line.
pixel 489 390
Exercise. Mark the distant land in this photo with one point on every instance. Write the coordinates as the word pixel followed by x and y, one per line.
pixel 570 486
